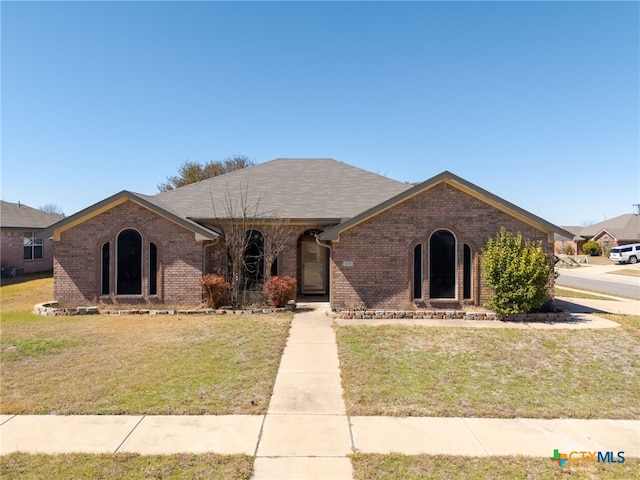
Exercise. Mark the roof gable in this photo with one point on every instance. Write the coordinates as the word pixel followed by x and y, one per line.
pixel 201 232
pixel 624 227
pixel 459 183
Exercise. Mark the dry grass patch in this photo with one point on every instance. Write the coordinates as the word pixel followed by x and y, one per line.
pixel 564 292
pixel 21 466
pixel 629 272
pixel 443 467
pixel 503 373
pixel 135 364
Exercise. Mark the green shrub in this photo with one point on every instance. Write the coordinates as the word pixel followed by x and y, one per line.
pixel 280 290
pixel 215 290
pixel 518 272
pixel 592 248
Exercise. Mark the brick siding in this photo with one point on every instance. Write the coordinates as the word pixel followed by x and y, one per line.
pixel 380 249
pixel 12 252
pixel 77 262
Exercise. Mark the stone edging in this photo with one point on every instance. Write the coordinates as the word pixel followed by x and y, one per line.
pixel 50 309
pixel 450 315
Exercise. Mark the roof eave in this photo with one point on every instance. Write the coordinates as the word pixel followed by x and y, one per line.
pixel 333 234
pixel 201 233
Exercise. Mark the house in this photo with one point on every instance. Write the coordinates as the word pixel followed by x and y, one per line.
pixel 357 237
pixel 610 233
pixel 23 249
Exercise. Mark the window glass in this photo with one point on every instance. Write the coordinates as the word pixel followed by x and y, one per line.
pixel 129 263
pixel 442 265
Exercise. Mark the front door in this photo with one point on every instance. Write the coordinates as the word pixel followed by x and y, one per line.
pixel 314 268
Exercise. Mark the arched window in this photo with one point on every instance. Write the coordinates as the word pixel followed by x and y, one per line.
pixel 129 263
pixel 254 258
pixel 442 265
pixel 466 272
pixel 417 271
pixel 153 269
pixel 104 270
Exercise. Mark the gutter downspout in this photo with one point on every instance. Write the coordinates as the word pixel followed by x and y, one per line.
pixel 328 247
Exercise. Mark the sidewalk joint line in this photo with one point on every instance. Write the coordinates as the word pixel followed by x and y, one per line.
pixel 8 419
pixel 264 418
pixel 475 436
pixel 129 434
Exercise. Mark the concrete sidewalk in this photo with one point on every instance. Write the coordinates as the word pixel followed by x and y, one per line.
pixel 306 433
pixel 304 445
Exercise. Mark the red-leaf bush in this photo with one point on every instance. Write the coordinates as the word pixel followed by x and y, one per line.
pixel 280 290
pixel 215 290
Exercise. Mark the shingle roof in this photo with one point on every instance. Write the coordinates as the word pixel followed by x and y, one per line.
pixel 319 188
pixel 18 215
pixel 625 227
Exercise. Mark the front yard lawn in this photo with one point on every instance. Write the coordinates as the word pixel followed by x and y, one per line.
pixel 491 372
pixel 135 364
pixel 21 466
pixel 418 467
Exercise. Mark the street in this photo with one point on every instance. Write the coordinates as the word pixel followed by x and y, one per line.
pixel 602 278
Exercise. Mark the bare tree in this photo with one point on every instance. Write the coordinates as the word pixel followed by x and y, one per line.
pixel 252 242
pixel 276 234
pixel 236 217
pixel 52 208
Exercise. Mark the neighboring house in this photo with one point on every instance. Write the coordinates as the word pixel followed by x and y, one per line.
pixel 568 244
pixel 614 232
pixel 23 249
pixel 358 237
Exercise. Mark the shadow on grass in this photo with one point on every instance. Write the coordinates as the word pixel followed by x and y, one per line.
pixel 27 277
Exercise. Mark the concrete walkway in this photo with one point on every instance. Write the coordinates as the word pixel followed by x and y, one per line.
pixel 306 433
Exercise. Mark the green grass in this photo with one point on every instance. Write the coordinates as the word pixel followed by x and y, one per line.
pixel 502 373
pixel 137 364
pixel 563 292
pixel 443 467
pixel 21 466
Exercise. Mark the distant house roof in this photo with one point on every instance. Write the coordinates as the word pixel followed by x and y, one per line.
pixel 287 188
pixel 19 215
pixel 459 183
pixel 573 230
pixel 623 228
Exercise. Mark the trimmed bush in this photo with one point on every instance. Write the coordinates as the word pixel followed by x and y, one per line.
pixel 518 272
pixel 215 290
pixel 280 290
pixel 592 248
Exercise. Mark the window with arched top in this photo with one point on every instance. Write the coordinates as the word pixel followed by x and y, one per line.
pixel 442 265
pixel 104 269
pixel 417 271
pixel 153 269
pixel 466 272
pixel 254 258
pixel 129 263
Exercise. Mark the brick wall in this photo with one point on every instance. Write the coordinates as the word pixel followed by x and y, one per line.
pixel 12 252
pixel 380 250
pixel 77 262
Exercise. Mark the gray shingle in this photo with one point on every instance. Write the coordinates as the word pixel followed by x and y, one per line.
pixel 286 188
pixel 624 227
pixel 14 215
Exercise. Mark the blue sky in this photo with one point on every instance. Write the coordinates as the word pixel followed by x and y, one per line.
pixel 537 102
